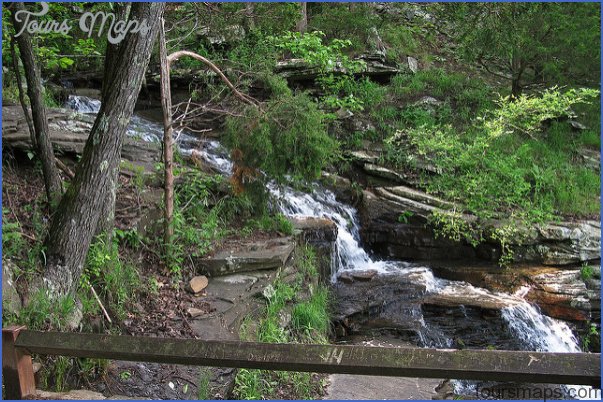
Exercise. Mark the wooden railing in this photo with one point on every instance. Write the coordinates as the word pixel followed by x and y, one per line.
pixel 490 365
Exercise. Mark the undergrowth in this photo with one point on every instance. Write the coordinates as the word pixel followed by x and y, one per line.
pixel 296 312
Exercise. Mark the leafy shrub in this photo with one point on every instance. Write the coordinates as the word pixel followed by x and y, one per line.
pixel 12 239
pixel 336 69
pixel 289 138
pixel 526 113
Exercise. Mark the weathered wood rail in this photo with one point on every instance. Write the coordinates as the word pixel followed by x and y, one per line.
pixel 496 365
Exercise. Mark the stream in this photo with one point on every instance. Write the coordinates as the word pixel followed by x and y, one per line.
pixel 522 322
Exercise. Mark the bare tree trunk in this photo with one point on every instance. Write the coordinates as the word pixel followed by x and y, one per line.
pixel 168 157
pixel 75 221
pixel 52 180
pixel 302 24
pixel 107 216
pixel 249 16
pixel 517 68
pixel 22 101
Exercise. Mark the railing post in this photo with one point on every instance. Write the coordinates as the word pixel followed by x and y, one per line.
pixel 17 368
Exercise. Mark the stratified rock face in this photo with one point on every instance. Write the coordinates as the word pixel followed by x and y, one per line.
pixel 298 70
pixel 560 293
pixel 68 134
pixel 564 243
pixel 395 224
pixel 246 257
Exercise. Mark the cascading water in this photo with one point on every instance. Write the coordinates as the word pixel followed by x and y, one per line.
pixel 534 330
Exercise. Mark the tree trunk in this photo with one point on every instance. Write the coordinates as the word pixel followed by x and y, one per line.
pixel 249 17
pixel 75 222
pixel 302 24
pixel 517 68
pixel 22 101
pixel 107 215
pixel 52 180
pixel 168 157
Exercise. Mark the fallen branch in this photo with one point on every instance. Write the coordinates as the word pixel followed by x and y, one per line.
pixel 99 303
pixel 64 168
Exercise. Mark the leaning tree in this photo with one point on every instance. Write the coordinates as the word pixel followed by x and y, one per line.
pixel 42 143
pixel 75 222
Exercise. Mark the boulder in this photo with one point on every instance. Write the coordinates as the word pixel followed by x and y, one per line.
pixel 252 256
pixel 197 284
pixel 413 64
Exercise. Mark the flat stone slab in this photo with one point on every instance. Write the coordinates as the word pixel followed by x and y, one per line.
pixel 270 254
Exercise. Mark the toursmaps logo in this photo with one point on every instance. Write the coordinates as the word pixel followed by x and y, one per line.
pixel 89 22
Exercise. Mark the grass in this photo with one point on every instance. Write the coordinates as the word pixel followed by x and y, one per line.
pixel 311 318
pixel 203 385
pixel 587 272
pixel 309 323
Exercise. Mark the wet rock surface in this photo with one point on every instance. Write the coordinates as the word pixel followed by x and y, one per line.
pixel 560 293
pixel 68 133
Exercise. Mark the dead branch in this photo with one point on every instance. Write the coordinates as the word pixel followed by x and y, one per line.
pixel 244 98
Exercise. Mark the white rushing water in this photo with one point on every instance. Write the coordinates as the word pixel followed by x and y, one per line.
pixel 535 331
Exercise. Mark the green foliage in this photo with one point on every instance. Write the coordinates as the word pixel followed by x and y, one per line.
pixel 309 323
pixel 312 317
pixel 452 225
pixel 592 336
pixel 529 42
pixel 289 138
pixel 587 272
pixel 203 385
pixel 516 160
pixel 12 239
pixel 116 281
pixel 195 222
pixel 45 313
pixel 336 69
pixel 343 20
pixel 405 216
pixel 526 114
pixel 277 223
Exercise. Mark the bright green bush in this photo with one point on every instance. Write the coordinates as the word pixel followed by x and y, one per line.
pixel 288 139
pixel 518 161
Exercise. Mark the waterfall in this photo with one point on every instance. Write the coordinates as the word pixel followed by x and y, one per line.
pixel 525 321
pixel 539 332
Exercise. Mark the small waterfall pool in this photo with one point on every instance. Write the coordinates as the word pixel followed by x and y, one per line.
pixel 534 330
